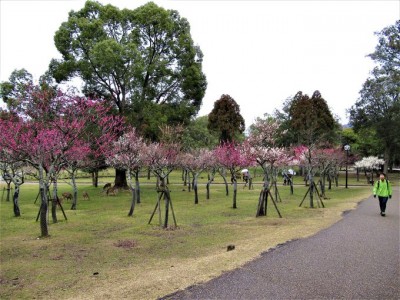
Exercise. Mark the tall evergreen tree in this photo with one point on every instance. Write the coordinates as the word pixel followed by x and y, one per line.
pixel 307 120
pixel 225 119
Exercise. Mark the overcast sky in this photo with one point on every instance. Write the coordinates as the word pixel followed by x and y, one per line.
pixel 258 52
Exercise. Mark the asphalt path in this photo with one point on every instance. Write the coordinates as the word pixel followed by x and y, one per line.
pixel 356 258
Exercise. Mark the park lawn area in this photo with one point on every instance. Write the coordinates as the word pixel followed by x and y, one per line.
pixel 100 252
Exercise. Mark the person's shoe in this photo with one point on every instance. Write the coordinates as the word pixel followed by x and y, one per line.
pixel 383 214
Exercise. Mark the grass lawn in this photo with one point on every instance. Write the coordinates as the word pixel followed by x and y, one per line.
pixel 100 252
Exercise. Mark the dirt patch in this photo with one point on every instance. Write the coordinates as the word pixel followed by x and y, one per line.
pixel 126 244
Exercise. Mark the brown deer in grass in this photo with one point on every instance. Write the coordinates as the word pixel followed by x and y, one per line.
pixel 112 191
pixel 85 195
pixel 106 186
pixel 66 196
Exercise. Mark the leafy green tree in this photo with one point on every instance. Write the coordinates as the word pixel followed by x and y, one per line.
pixel 307 120
pixel 197 136
pixel 226 120
pixel 348 136
pixel 378 106
pixel 144 60
pixel 387 51
pixel 17 90
pixel 15 87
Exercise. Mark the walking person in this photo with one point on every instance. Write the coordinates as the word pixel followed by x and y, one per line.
pixel 382 189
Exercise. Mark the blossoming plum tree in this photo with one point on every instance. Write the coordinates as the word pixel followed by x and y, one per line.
pixel 234 158
pixel 261 146
pixel 128 154
pixel 49 125
pixel 162 159
pixel 195 162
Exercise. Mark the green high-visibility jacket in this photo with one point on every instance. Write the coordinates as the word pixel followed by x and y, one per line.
pixel 382 188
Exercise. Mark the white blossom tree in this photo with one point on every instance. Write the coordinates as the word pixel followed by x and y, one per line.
pixel 370 164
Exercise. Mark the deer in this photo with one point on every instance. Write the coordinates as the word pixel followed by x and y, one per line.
pixel 106 187
pixel 66 196
pixel 112 191
pixel 85 195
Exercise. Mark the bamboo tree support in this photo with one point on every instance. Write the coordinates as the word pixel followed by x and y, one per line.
pixel 49 199
pixel 164 194
pixel 263 203
pixel 276 192
pixel 313 186
pixel 290 183
pixel 37 197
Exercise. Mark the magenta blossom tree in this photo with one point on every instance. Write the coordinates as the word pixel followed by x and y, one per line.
pixel 12 171
pixel 234 158
pixel 49 125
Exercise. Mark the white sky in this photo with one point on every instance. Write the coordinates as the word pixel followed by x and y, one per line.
pixel 258 52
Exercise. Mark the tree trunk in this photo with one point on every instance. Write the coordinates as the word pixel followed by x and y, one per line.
pixel 43 212
pixel 188 182
pixel 311 191
pixel 210 179
pixel 222 173
pixel 54 203
pixel 234 191
pixel 95 178
pixel 43 203
pixel 8 190
pixel 132 209
pixel 322 186
pixel 329 182
pixel 196 194
pixel 166 200
pixel 75 191
pixel 184 177
pixel 120 179
pixel 137 184
pixel 17 212
pixel 262 200
pixel 261 203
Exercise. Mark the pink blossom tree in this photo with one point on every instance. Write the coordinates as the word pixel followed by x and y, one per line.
pixel 12 171
pixel 234 158
pixel 50 125
pixel 261 146
pixel 305 155
pixel 162 159
pixel 327 161
pixel 73 160
pixel 195 162
pixel 128 154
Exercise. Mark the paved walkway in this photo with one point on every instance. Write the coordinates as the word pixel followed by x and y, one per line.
pixel 356 258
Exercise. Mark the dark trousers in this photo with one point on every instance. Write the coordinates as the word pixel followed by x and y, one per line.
pixel 382 203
